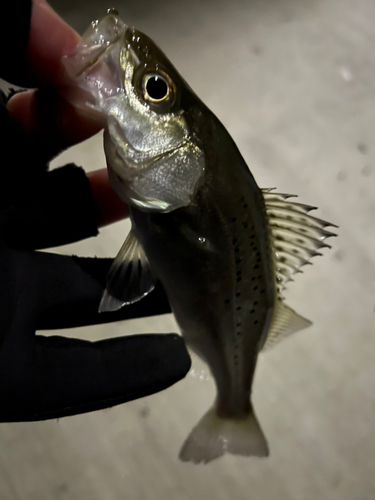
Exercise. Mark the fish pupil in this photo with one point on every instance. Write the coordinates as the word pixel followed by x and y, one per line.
pixel 157 87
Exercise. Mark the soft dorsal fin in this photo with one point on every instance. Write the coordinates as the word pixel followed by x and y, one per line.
pixel 285 321
pixel 295 238
pixel 129 278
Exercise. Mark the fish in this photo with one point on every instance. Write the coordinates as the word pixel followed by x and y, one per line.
pixel 222 248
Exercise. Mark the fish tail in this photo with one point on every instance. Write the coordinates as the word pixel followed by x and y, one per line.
pixel 213 436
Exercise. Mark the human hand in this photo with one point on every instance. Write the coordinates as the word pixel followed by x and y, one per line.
pixel 48 123
pixel 49 377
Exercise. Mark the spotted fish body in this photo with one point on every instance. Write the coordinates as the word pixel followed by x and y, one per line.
pixel 214 260
pixel 222 248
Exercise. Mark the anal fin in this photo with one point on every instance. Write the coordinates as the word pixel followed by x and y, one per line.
pixel 285 321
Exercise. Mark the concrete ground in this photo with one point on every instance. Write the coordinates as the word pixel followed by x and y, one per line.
pixel 294 83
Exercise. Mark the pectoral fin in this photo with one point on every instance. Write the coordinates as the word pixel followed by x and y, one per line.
pixel 285 321
pixel 129 278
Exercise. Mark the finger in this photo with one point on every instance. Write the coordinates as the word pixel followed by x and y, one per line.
pixel 48 122
pixel 50 37
pixel 60 207
pixel 14 36
pixel 82 309
pixel 111 208
pixel 69 376
pixel 72 306
pixel 59 291
pixel 53 208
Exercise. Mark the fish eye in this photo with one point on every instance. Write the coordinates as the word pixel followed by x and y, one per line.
pixel 157 88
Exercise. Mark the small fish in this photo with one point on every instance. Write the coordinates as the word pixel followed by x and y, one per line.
pixel 222 247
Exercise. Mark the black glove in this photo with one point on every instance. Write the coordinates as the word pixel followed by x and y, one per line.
pixel 49 377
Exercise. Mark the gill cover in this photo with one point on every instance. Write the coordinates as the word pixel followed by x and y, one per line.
pixel 118 77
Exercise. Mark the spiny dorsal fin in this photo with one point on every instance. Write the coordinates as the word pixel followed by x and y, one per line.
pixel 285 321
pixel 129 278
pixel 296 236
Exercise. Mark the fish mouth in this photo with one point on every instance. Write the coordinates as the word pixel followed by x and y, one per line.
pixel 100 37
pixel 99 54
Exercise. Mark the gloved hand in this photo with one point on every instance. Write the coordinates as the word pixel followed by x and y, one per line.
pixel 49 377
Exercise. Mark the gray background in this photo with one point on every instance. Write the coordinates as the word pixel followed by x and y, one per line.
pixel 293 81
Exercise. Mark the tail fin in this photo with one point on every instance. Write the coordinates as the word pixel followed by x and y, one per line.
pixel 213 436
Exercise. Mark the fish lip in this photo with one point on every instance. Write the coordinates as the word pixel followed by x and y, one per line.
pixel 96 43
pixel 100 53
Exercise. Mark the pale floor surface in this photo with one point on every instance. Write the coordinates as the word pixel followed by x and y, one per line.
pixel 294 82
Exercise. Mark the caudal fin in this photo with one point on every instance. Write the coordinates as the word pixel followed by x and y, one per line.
pixel 213 436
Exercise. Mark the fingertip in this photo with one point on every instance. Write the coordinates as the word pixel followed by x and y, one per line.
pixel 110 207
pixel 19 107
pixel 49 122
pixel 177 351
pixel 50 39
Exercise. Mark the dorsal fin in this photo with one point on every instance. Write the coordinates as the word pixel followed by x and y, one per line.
pixel 295 238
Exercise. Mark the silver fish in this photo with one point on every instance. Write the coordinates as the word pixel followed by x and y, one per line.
pixel 222 248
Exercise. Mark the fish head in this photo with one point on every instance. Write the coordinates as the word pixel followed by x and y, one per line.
pixel 118 77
